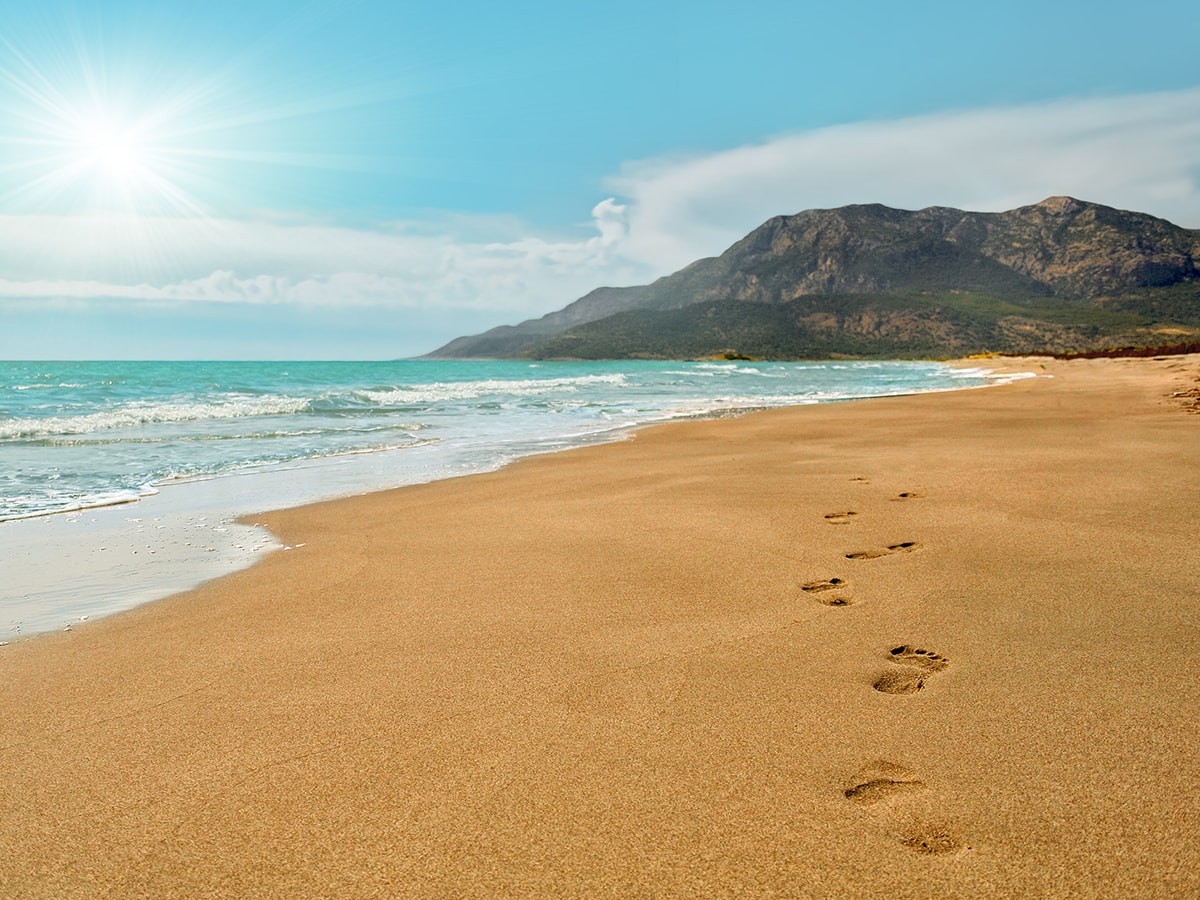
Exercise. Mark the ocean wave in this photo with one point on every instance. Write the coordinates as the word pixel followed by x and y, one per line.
pixel 44 387
pixel 709 370
pixel 346 403
pixel 965 373
pixel 136 415
pixel 379 448
pixel 248 437
pixel 204 473
pixel 215 423
pixel 990 376
pixel 31 507
pixel 439 392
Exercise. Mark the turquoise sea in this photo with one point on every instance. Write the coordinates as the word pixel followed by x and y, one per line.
pixel 130 474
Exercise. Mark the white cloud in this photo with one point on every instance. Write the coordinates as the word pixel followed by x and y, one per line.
pixel 611 220
pixel 401 265
pixel 1135 152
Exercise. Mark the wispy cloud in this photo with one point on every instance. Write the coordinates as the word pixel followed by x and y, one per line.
pixel 402 265
pixel 1136 152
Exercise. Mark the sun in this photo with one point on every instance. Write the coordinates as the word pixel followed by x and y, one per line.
pixel 112 151
pixel 80 138
pixel 93 123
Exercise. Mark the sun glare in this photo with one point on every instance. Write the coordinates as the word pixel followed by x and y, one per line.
pixel 112 151
pixel 79 136
pixel 85 141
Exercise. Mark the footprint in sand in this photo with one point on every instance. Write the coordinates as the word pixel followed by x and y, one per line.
pixel 861 480
pixel 882 781
pixel 881 788
pixel 930 839
pixel 913 665
pixel 903 547
pixel 908 495
pixel 830 591
pixel 866 554
pixel 840 518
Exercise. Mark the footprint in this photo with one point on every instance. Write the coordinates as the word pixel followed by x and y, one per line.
pixel 903 547
pixel 931 839
pixel 913 665
pixel 917 656
pixel 840 518
pixel 908 495
pixel 831 591
pixel 866 554
pixel 900 681
pixel 881 788
pixel 814 587
pixel 882 781
pixel 861 480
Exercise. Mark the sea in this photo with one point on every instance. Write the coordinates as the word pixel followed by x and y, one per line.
pixel 121 482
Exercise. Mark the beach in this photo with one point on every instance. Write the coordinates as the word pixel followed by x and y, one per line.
pixel 932 645
pixel 123 482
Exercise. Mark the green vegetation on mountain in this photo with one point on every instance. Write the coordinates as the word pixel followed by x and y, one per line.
pixel 869 281
pixel 892 326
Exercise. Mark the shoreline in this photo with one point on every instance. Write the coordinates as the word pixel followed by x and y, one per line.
pixel 944 642
pixel 193 530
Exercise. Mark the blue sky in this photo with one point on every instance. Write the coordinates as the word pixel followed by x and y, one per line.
pixel 368 180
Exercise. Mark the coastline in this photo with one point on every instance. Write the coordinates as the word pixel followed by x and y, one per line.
pixel 81 555
pixel 600 671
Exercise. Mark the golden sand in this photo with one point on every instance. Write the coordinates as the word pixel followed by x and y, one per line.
pixel 943 645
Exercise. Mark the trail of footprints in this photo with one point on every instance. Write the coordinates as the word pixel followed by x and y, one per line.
pixel 882 786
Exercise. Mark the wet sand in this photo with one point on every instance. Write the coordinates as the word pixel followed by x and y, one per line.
pixel 932 645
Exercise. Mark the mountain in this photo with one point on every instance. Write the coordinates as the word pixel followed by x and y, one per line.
pixel 871 281
pixel 509 340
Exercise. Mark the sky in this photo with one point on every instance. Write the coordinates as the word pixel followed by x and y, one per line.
pixel 367 180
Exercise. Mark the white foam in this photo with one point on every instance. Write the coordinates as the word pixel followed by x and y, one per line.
pixel 991 375
pixel 44 387
pixel 439 392
pixel 93 501
pixel 134 415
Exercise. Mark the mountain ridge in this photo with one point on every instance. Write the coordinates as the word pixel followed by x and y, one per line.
pixel 869 280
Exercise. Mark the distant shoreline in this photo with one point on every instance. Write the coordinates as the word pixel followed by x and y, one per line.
pixel 1118 353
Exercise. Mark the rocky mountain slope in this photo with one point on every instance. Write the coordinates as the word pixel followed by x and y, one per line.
pixel 871 281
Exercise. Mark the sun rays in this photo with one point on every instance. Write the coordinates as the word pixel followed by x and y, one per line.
pixel 148 147
pixel 73 141
pixel 129 127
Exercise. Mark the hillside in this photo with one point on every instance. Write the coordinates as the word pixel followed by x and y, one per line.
pixel 870 281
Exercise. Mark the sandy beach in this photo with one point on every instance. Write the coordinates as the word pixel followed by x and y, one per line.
pixel 938 645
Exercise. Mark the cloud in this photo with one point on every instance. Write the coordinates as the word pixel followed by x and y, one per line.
pixel 275 261
pixel 1135 152
pixel 611 220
